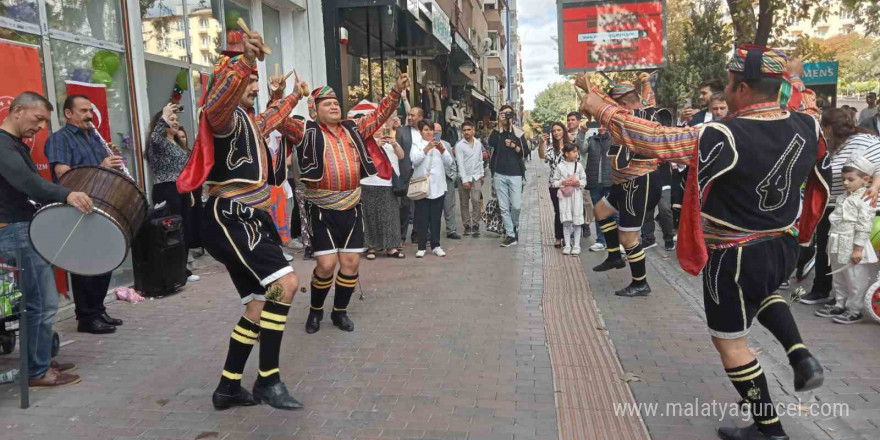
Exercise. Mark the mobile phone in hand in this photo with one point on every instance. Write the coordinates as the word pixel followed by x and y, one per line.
pixel 437 137
pixel 386 132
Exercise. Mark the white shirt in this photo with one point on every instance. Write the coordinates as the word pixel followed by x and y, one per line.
pixel 470 160
pixel 439 162
pixel 375 180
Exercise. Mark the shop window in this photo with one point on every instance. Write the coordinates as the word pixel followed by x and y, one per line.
pixel 20 10
pixel 204 28
pixel 98 19
pixel 272 37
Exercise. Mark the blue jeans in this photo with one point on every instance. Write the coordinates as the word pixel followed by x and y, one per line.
pixel 596 194
pixel 40 295
pixel 509 190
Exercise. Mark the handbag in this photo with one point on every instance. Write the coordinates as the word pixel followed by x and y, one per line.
pixel 418 186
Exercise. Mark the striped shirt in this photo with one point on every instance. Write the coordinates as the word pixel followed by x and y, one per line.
pixel 865 145
pixel 74 147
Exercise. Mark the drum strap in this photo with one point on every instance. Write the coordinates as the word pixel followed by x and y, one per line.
pixel 63 245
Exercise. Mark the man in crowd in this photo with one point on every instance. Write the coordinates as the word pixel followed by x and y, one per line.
pixel 665 178
pixel 871 110
pixel 578 135
pixel 450 204
pixel 77 144
pixel 405 137
pixel 707 89
pixel 871 122
pixel 29 113
pixel 469 162
pixel 718 107
pixel 598 169
pixel 508 144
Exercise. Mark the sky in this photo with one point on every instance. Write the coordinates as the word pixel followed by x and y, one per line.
pixel 537 24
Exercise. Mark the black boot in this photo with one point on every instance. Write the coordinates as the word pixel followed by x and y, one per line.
pixel 640 289
pixel 610 263
pixel 341 320
pixel 224 400
pixel 749 433
pixel 808 375
pixel 276 395
pixel 313 322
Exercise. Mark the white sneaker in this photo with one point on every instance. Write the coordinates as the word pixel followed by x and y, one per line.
pixel 675 239
pixel 287 256
pixel 294 244
pixel 438 251
pixel 420 254
pixel 566 250
pixel 598 247
pixel 193 278
pixel 575 251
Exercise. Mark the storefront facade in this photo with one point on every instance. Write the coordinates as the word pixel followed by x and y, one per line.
pixel 137 50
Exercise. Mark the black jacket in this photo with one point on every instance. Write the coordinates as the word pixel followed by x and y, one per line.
pixel 505 160
pixel 404 138
pixel 598 162
pixel 20 181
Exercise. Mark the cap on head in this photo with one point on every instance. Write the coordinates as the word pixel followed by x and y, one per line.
pixel 755 62
pixel 860 163
pixel 620 89
pixel 318 95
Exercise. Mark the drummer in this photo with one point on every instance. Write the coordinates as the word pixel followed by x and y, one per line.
pixel 78 144
pixel 20 183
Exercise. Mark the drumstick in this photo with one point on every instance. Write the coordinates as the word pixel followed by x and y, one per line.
pixel 63 245
pixel 245 28
pixel 277 69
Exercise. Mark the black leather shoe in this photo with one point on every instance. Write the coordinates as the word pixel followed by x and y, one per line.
pixel 808 375
pixel 108 320
pixel 634 290
pixel 453 236
pixel 223 401
pixel 341 320
pixel 276 396
pixel 609 263
pixel 313 322
pixel 748 433
pixel 95 327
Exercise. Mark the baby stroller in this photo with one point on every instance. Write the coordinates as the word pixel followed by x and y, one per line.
pixel 11 304
pixel 872 296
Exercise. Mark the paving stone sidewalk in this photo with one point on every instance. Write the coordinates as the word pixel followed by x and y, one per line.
pixel 663 340
pixel 444 348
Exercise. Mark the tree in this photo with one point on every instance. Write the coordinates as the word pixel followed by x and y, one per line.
pixel 554 103
pixel 758 25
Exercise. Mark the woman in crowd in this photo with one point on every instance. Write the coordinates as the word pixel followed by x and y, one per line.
pixel 167 154
pixel 844 140
pixel 429 158
pixel 381 208
pixel 551 153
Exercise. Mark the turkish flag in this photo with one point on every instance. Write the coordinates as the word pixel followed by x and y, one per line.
pixel 27 76
pixel 97 93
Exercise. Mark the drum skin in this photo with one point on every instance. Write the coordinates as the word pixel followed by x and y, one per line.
pixel 95 243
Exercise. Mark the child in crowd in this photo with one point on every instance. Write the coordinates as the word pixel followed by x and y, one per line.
pixel 853 260
pixel 570 177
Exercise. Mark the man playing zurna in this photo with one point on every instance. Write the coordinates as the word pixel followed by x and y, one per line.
pixel 742 216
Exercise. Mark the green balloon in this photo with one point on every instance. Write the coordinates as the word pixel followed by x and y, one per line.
pixel 232 17
pixel 109 59
pixel 102 77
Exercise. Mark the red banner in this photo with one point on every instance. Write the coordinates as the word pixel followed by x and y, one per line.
pixel 612 36
pixel 97 93
pixel 27 76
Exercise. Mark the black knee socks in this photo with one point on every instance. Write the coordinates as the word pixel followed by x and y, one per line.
pixel 320 289
pixel 751 384
pixel 345 285
pixel 775 314
pixel 609 229
pixel 636 258
pixel 243 338
pixel 272 322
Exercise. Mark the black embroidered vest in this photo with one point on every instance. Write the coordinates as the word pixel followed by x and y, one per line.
pixel 310 152
pixel 237 155
pixel 753 170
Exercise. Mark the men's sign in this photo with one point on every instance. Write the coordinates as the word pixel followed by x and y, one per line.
pixel 821 72
pixel 611 35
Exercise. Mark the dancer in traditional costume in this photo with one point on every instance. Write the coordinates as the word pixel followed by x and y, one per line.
pixel 743 215
pixel 230 155
pixel 636 190
pixel 333 157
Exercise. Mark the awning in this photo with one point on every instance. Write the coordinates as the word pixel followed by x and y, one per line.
pixel 482 97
